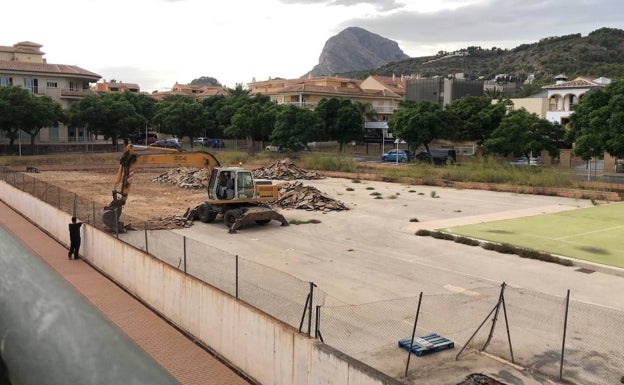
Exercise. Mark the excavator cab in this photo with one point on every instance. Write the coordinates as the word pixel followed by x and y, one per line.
pixel 231 183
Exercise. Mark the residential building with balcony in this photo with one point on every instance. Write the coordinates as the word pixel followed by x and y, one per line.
pixel 23 65
pixel 308 92
pixel 564 95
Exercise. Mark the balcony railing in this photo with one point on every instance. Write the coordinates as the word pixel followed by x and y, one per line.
pixel 76 92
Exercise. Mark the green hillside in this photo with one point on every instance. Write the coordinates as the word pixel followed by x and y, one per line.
pixel 601 53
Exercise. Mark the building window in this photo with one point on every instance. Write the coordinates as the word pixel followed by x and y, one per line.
pixel 552 104
pixel 31 85
pixel 51 84
pixel 6 82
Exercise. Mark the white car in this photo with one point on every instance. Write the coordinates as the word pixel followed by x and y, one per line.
pixel 520 162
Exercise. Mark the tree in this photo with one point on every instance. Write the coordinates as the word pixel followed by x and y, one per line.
pixel 254 119
pixel 295 126
pixel 418 123
pixel 342 120
pixel 474 118
pixel 205 81
pixel 367 112
pixel 112 115
pixel 43 112
pixel 181 116
pixel 15 105
pixel 597 124
pixel 523 133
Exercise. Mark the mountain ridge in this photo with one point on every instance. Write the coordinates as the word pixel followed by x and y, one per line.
pixel 600 53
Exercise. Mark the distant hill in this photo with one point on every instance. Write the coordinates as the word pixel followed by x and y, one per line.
pixel 601 53
pixel 356 49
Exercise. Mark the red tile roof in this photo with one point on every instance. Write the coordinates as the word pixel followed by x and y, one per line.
pixel 45 68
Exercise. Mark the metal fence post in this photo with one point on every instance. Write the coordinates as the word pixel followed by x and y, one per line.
pixel 317 323
pixel 184 245
pixel 495 318
pixel 236 276
pixel 23 177
pixel 116 224
pixel 565 329
pixel 409 352
pixel 74 214
pixel 312 285
pixel 146 244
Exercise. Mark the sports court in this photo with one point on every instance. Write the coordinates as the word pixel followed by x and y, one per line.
pixel 592 234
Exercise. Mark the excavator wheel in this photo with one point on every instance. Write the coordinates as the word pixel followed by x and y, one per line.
pixel 110 217
pixel 205 214
pixel 231 216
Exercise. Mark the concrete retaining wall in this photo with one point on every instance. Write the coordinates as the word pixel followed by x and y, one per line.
pixel 266 349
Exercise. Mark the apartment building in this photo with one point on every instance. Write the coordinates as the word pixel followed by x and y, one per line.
pixel 383 95
pixel 23 65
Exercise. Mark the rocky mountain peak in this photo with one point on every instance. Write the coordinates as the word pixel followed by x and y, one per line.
pixel 356 49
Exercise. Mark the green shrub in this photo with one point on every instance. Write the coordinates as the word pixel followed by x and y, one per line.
pixel 423 233
pixel 442 235
pixel 467 241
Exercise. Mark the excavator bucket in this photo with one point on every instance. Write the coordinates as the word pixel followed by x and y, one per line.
pixel 110 217
pixel 260 215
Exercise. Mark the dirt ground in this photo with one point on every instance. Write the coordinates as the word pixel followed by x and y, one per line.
pixel 146 200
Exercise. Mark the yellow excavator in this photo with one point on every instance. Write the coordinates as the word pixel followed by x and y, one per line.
pixel 233 192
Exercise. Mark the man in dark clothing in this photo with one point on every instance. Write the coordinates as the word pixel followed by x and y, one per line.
pixel 74 238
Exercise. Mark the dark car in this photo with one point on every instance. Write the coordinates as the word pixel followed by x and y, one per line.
pixel 438 156
pixel 216 143
pixel 167 144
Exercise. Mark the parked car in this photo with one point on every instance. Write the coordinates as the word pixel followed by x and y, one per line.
pixel 167 143
pixel 206 142
pixel 438 156
pixel 140 138
pixel 397 155
pixel 216 143
pixel 522 161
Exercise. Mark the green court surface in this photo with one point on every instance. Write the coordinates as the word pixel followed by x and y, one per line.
pixel 593 234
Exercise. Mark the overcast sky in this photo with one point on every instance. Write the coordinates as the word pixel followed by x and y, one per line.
pixel 156 43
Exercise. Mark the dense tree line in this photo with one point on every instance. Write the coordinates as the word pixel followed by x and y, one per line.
pixel 596 125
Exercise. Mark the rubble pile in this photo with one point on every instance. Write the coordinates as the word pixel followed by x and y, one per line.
pixel 285 169
pixel 185 177
pixel 169 223
pixel 297 196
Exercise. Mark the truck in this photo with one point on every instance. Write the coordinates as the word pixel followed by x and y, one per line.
pixel 232 192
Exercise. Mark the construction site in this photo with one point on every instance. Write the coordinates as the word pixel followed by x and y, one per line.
pixel 338 263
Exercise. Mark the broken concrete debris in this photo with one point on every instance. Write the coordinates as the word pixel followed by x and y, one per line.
pixel 285 169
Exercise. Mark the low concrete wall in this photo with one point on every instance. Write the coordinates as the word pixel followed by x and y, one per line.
pixel 265 348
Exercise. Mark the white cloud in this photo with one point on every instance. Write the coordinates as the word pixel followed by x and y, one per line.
pixel 156 43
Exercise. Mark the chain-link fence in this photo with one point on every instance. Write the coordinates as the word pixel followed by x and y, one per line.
pixel 276 293
pixel 564 339
pixel 579 343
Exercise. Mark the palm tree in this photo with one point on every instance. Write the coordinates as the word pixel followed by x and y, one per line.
pixel 367 112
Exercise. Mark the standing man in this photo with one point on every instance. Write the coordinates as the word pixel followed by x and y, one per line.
pixel 74 238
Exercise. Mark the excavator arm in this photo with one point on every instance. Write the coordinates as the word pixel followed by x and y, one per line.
pixel 129 161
